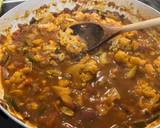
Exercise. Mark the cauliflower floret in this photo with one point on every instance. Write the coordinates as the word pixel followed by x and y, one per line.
pixel 72 43
pixel 149 69
pixel 84 71
pixel 64 94
pixel 64 20
pixel 136 61
pixel 52 46
pixel 90 65
pixel 19 76
pixel 156 62
pixel 64 82
pixel 123 41
pixel 121 56
pixel 79 16
pixel 149 97
pixel 103 58
pixel 85 77
pixel 48 18
pixel 37 42
pixel 135 45
pixel 49 27
pixel 3 55
pixel 131 61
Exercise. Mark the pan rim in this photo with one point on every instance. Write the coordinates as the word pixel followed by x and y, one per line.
pixel 47 1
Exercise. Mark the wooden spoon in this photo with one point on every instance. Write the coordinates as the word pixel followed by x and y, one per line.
pixel 95 34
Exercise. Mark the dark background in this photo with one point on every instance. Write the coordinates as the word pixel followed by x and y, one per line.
pixel 5 122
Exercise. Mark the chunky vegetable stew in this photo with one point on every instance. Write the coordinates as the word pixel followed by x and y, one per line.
pixel 50 81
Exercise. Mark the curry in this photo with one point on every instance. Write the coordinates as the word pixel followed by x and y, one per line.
pixel 50 81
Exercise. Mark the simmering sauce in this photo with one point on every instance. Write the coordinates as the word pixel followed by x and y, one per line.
pixel 51 84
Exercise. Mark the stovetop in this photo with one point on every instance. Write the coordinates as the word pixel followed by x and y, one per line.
pixel 5 122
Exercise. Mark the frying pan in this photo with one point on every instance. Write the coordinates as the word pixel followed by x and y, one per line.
pixel 132 9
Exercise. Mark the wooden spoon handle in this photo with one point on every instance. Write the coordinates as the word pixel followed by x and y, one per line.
pixel 141 25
